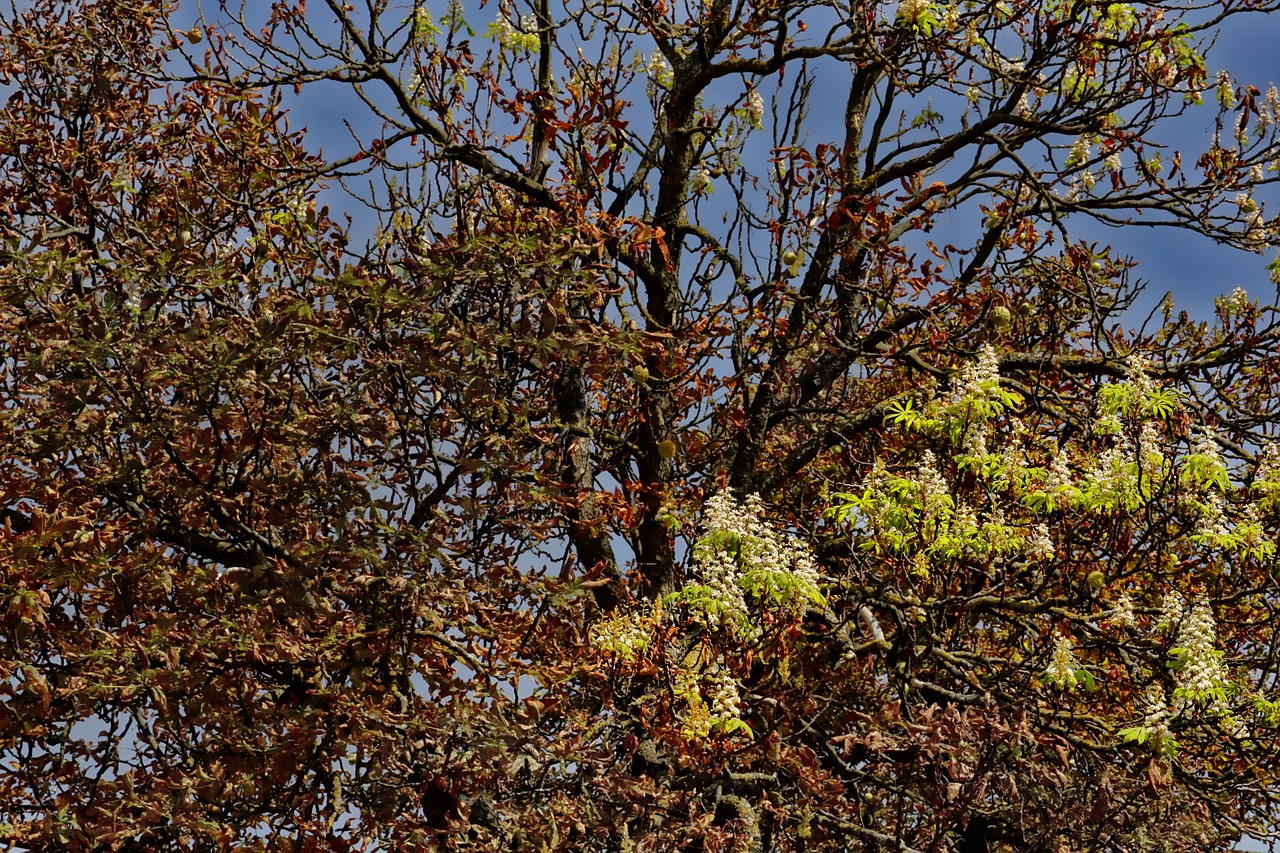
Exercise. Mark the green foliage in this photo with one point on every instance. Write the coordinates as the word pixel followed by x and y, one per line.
pixel 1165 745
pixel 424 28
pixel 514 37
pixel 920 16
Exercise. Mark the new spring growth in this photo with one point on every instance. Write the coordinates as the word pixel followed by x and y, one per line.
pixel 740 559
pixel 1201 677
pixel 1061 673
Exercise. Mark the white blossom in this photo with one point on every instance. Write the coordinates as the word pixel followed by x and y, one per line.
pixel 975 440
pixel 1156 719
pixel 1012 459
pixel 1235 303
pixel 1139 375
pixel 1268 470
pixel 1200 675
pixel 994 526
pixel 1009 67
pixel 910 10
pixel 1122 615
pixel 979 380
pixel 1061 673
pixel 502 29
pixel 1249 530
pixel 755 108
pixel 1040 544
pixel 659 70
pixel 1213 517
pixel 740 554
pixel 720 687
pixel 700 179
pixel 1206 446
pixel 297 207
pixel 1171 609
pixel 1258 234
pixel 1059 477
pixel 720 574
pixel 1226 92
pixel 1150 453
pixel 1159 66
pixel 933 486
pixel 726 702
pixel 1080 153
pixel 1269 112
pixel 965 521
pixel 1206 458
pixel 1113 472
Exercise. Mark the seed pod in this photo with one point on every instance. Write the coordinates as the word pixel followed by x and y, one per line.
pixel 1001 318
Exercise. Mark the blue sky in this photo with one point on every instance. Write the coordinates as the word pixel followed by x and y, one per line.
pixel 1193 267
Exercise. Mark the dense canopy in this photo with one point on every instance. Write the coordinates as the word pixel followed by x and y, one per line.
pixel 638 425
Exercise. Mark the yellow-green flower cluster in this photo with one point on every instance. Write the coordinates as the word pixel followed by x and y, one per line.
pixel 626 634
pixel 1063 672
pixel 721 707
pixel 520 36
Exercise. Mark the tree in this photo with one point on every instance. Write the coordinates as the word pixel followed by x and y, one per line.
pixel 680 462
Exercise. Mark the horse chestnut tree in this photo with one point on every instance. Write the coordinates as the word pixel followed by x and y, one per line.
pixel 633 425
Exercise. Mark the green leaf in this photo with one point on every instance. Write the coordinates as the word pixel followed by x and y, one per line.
pixel 1137 734
pixel 735 725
